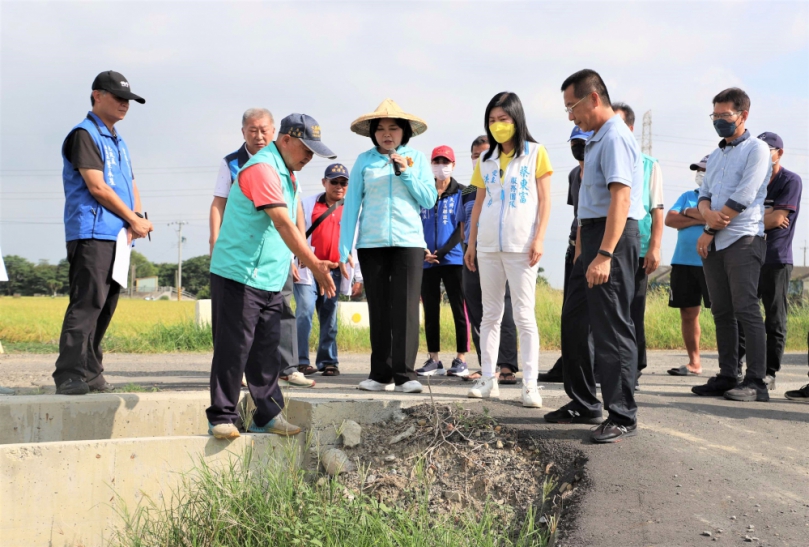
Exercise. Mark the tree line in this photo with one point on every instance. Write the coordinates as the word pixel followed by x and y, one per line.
pixel 43 278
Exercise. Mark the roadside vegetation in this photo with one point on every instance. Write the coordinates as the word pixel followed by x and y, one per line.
pixel 32 324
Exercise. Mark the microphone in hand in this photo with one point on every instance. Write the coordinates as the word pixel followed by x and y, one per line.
pixel 396 168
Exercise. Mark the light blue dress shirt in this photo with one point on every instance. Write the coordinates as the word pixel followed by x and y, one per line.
pixel 612 155
pixel 736 175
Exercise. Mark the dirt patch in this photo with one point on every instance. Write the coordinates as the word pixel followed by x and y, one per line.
pixel 462 458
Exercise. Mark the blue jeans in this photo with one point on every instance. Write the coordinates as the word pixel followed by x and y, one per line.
pixel 307 301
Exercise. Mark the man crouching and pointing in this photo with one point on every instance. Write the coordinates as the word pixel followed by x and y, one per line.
pixel 249 266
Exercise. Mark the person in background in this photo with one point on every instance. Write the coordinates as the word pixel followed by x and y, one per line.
pixel 509 221
pixel 732 247
pixel 443 234
pixel 688 290
pixel 577 140
pixel 651 236
pixel 390 183
pixel 602 283
pixel 249 267
pixel 781 207
pixel 258 130
pixel 507 353
pixel 101 199
pixel 322 213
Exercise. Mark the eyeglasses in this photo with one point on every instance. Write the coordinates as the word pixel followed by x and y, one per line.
pixel 723 116
pixel 335 182
pixel 570 110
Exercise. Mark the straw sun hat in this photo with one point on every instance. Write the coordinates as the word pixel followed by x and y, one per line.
pixel 388 109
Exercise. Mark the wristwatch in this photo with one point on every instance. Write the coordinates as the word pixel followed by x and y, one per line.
pixel 710 231
pixel 602 252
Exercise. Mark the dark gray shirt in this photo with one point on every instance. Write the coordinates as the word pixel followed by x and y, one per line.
pixel 574 183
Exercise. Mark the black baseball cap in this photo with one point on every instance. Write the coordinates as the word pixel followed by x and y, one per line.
pixel 306 129
pixel 115 83
pixel 772 140
pixel 701 164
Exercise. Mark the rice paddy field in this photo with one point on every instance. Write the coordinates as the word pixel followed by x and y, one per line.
pixel 32 324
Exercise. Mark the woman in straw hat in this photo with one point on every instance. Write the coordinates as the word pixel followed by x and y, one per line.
pixel 389 185
pixel 509 220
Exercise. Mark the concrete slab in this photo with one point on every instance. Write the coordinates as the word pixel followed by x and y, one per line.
pixel 70 493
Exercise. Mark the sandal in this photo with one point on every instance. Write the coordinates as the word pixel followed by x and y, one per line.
pixel 472 376
pixel 683 371
pixel 330 370
pixel 507 376
pixel 307 370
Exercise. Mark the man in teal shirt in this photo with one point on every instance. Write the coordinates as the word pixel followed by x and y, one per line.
pixel 249 266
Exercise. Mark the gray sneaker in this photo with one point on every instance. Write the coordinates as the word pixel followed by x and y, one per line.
pixel 277 425
pixel 223 431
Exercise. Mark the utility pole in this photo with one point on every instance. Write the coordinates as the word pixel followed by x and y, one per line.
pixel 804 252
pixel 646 136
pixel 132 280
pixel 180 240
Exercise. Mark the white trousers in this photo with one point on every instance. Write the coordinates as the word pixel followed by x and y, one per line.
pixel 495 269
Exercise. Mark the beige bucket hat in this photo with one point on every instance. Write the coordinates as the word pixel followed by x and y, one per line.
pixel 388 109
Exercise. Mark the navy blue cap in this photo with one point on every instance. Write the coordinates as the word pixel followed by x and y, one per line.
pixel 577 133
pixel 335 171
pixel 772 140
pixel 306 129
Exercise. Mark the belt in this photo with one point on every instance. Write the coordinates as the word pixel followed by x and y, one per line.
pixel 586 221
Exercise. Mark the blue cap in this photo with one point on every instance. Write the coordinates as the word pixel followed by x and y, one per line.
pixel 579 134
pixel 335 171
pixel 306 129
pixel 772 140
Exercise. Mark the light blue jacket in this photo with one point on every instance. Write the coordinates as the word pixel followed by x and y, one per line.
pixel 388 207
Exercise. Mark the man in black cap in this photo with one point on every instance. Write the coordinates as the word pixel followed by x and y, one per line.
pixel 781 207
pixel 101 199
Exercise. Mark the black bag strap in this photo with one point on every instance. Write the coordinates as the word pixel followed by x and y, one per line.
pixel 323 217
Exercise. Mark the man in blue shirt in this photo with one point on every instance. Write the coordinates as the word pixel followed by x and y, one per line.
pixel 688 288
pixel 101 199
pixel 602 283
pixel 781 208
pixel 732 246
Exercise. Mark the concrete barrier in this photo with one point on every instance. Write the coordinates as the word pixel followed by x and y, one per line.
pixel 202 312
pixel 72 492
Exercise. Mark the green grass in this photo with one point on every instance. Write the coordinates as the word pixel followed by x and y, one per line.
pixel 267 503
pixel 32 325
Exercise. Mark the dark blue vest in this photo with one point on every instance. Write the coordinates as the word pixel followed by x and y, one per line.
pixel 85 218
pixel 236 161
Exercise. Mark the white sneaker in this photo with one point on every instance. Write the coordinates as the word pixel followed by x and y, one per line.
pixel 484 388
pixel 373 385
pixel 297 379
pixel 531 397
pixel 410 387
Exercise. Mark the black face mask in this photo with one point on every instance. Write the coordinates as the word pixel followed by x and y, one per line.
pixel 577 148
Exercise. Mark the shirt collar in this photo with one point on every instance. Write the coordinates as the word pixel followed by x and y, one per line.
pixel 246 151
pixel 735 142
pixel 604 128
pixel 100 124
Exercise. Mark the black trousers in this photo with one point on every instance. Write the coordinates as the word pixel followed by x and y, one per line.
pixel 638 312
pixel 773 289
pixel 604 310
pixel 392 277
pixel 431 279
pixel 93 298
pixel 246 324
pixel 569 254
pixel 507 353
pixel 288 347
pixel 732 275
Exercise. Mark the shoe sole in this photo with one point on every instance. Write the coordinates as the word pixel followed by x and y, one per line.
pixel 439 372
pixel 476 396
pixel 290 384
pixel 615 439
pixel 584 421
pixel 531 405
pixel 399 390
pixel 388 387
pixel 798 399
pixel 229 436
pixel 73 392
pixel 463 374
pixel 281 432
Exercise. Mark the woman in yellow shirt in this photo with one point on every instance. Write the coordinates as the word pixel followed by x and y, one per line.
pixel 509 221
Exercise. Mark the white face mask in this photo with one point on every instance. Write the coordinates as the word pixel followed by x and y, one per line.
pixel 699 177
pixel 474 164
pixel 442 171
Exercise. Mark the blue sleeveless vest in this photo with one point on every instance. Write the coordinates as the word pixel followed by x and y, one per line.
pixel 236 161
pixel 85 218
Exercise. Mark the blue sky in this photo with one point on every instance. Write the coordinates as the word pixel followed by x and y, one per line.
pixel 201 64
